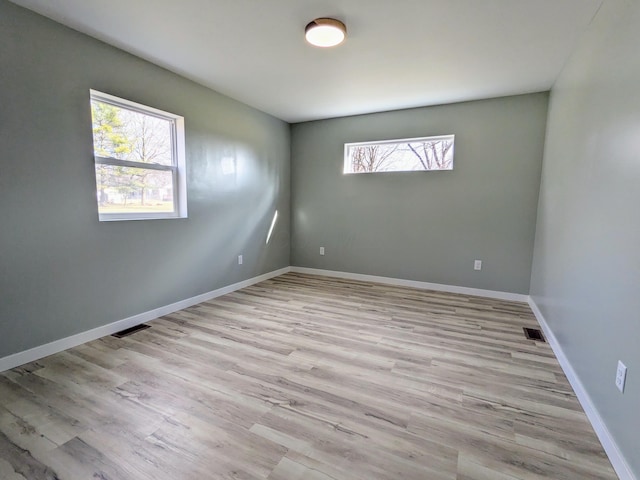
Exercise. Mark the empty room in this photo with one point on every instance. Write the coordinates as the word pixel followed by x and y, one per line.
pixel 319 240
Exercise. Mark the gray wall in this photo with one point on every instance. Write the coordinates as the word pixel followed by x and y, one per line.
pixel 586 269
pixel 63 272
pixel 426 226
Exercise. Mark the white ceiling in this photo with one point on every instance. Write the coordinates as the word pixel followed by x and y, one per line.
pixel 398 53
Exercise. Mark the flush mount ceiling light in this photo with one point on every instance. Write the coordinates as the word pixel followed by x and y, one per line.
pixel 325 32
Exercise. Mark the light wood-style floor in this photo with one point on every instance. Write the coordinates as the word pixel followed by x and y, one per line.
pixel 304 377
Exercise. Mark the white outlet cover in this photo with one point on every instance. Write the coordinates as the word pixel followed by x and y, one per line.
pixel 621 376
pixel 477 265
pixel 240 259
pixel 321 250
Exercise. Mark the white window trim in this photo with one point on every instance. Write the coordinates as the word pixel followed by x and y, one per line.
pixel 347 165
pixel 179 155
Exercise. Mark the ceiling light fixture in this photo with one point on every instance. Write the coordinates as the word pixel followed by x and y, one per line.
pixel 325 32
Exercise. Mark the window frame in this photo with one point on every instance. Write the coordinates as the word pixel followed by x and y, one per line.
pixel 397 141
pixel 178 157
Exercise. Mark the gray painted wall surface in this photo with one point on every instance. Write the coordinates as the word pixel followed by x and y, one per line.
pixel 425 226
pixel 63 272
pixel 586 269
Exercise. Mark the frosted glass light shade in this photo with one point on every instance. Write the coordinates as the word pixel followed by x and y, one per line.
pixel 325 32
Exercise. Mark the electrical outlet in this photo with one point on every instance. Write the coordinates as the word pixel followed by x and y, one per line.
pixel 621 376
pixel 477 265
pixel 321 250
pixel 240 260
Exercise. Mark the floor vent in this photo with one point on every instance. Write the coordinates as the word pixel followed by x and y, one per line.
pixel 533 334
pixel 130 331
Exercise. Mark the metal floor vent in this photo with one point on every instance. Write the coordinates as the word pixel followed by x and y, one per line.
pixel 533 334
pixel 130 331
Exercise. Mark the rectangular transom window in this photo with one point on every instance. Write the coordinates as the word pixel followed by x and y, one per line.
pixel 139 156
pixel 405 155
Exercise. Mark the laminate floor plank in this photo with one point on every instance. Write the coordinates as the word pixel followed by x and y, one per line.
pixel 305 377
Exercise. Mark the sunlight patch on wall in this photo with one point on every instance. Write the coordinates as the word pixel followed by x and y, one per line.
pixel 273 224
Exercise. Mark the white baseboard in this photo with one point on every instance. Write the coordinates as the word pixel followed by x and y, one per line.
pixel 618 461
pixel 515 297
pixel 56 346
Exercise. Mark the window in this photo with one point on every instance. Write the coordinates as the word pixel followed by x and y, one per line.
pixel 409 154
pixel 139 159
